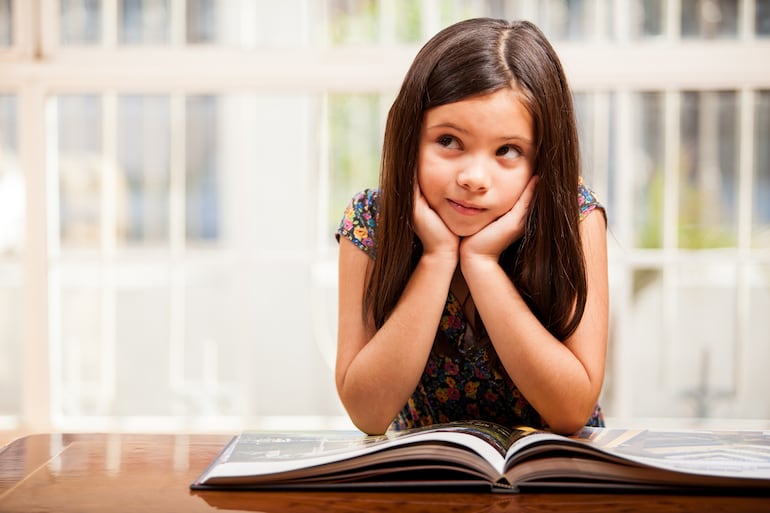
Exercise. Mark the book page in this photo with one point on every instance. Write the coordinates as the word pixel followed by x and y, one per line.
pixel 255 454
pixel 495 435
pixel 741 454
pixel 253 447
pixel 707 452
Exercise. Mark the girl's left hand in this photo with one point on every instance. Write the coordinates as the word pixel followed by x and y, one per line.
pixel 491 240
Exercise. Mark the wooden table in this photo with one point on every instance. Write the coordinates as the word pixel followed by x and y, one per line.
pixel 152 473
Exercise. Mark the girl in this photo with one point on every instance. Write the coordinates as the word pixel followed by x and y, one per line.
pixel 473 282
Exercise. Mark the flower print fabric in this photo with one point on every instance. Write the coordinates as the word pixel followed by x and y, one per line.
pixel 463 378
pixel 359 222
pixel 586 200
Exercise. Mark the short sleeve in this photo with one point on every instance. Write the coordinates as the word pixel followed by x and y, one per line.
pixel 587 201
pixel 359 222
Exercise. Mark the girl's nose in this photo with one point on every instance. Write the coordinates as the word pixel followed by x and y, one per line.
pixel 474 176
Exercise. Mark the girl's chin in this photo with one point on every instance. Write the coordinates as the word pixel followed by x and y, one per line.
pixel 465 231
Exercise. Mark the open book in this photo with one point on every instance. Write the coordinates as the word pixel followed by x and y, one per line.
pixel 481 454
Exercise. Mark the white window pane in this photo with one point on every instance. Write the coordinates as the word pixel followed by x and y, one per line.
pixel 356 124
pixel 701 357
pixel 268 168
pixel 353 21
pixel 255 23
pixel 202 20
pixel 249 346
pixel 682 340
pixel 762 17
pixel 647 18
pixel 80 22
pixel 79 135
pixel 644 345
pixel 12 218
pixel 144 22
pixel 756 351
pixel 286 373
pixel 84 389
pixel 709 19
pixel 143 169
pixel 647 164
pixel 572 19
pixel 6 23
pixel 142 334
pixel 219 348
pixel 451 11
pixel 288 23
pixel 202 180
pixel 709 170
pixel 12 202
pixel 593 113
pixel 11 314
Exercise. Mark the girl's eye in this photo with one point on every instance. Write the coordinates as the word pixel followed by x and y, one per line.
pixel 447 141
pixel 508 151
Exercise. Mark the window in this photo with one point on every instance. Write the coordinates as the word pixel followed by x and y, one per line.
pixel 172 172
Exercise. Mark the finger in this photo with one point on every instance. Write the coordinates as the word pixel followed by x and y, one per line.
pixel 527 194
pixel 417 189
pixel 513 221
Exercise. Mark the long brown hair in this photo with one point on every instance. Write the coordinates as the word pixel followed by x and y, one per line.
pixel 471 58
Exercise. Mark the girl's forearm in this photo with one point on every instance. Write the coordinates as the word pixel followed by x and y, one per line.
pixel 385 372
pixel 561 385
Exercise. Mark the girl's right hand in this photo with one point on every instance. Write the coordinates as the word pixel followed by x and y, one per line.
pixel 436 238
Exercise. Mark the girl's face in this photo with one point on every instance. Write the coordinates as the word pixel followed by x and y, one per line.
pixel 475 158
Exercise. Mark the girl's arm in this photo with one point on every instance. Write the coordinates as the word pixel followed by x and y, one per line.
pixel 378 370
pixel 562 381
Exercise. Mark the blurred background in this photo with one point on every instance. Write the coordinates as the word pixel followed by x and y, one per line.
pixel 172 172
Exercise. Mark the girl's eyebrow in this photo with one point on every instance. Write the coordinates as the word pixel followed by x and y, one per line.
pixel 452 126
pixel 448 125
pixel 519 138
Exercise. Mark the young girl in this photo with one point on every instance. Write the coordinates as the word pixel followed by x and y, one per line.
pixel 473 281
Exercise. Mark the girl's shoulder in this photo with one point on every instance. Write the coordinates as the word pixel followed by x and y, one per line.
pixel 366 200
pixel 587 200
pixel 359 222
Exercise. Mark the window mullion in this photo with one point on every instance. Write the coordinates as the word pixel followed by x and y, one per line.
pixel 745 168
pixel 668 263
pixel 108 250
pixel 39 32
pixel 108 218
pixel 746 18
pixel 745 266
pixel 324 180
pixel 178 15
pixel 177 165
pixel 177 242
pixel 624 205
pixel 109 23
pixel 673 19
pixel 36 384
pixel 429 18
pixel 671 169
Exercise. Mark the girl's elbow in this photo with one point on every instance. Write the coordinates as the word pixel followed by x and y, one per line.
pixel 363 414
pixel 369 423
pixel 566 426
pixel 570 420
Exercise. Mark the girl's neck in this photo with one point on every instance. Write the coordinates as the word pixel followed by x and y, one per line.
pixel 460 290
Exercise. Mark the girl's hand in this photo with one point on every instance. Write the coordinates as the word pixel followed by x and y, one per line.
pixel 491 240
pixel 436 238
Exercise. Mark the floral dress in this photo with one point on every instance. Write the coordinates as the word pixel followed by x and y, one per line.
pixel 463 378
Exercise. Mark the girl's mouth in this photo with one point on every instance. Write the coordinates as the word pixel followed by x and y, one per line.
pixel 465 209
